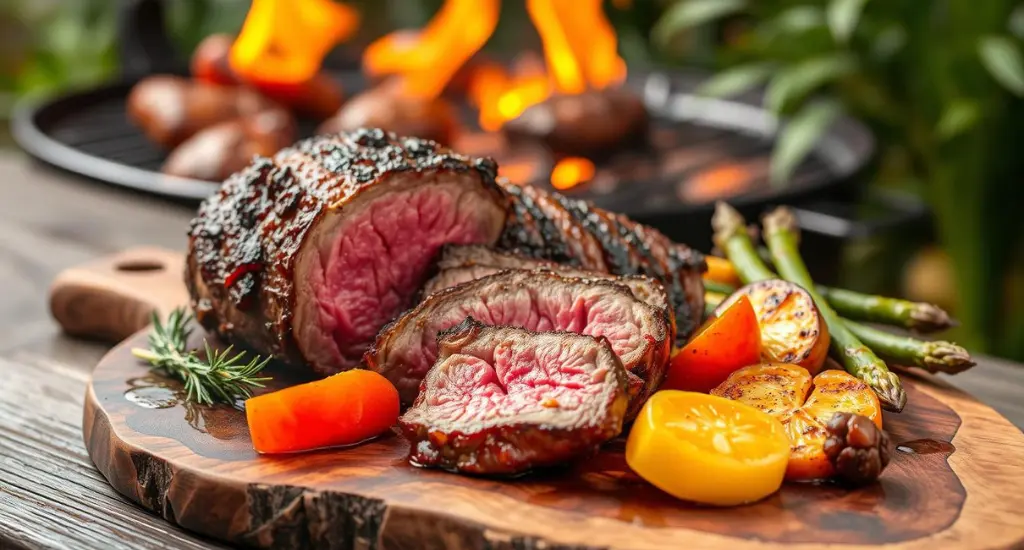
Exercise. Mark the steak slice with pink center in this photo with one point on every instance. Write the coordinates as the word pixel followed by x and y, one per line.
pixel 537 300
pixel 503 400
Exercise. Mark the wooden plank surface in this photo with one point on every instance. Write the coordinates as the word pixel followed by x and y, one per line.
pixel 50 221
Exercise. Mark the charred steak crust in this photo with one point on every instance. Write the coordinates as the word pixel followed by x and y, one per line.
pixel 618 257
pixel 244 241
pixel 503 400
pixel 498 299
pixel 582 245
pixel 554 248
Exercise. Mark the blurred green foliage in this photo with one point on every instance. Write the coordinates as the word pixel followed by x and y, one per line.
pixel 939 81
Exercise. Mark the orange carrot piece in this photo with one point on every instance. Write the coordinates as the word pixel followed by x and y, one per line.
pixel 721 270
pixel 343 409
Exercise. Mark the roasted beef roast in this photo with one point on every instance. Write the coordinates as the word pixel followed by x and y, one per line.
pixel 538 300
pixel 308 254
pixel 503 400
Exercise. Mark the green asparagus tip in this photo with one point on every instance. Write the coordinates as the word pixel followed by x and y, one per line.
pixel 946 357
pixel 780 219
pixel 726 222
pixel 929 318
pixel 890 391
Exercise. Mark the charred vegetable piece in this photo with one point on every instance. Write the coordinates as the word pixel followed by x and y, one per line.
pixel 792 330
pixel 858 359
pixel 730 341
pixel 857 448
pixel 343 409
pixel 707 449
pixel 804 405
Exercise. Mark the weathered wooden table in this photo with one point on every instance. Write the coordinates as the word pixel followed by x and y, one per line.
pixel 50 494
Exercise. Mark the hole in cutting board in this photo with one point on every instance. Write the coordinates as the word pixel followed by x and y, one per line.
pixel 138 265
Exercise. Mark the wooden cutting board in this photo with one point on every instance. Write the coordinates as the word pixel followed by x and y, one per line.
pixel 957 479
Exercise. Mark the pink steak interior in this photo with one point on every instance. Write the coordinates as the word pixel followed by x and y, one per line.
pixel 371 259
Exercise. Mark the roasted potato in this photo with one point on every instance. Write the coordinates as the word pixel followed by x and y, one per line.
pixel 792 330
pixel 804 405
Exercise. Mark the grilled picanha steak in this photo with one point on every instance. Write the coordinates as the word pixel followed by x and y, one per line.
pixel 503 400
pixel 549 226
pixel 539 300
pixel 462 263
pixel 308 254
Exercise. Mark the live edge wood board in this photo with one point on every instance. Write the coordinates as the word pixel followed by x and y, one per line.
pixel 957 480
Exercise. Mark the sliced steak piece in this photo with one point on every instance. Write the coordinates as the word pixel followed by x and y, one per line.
pixel 626 248
pixel 308 254
pixel 463 263
pixel 537 300
pixel 503 400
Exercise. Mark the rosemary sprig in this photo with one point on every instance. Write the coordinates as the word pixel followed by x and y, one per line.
pixel 223 376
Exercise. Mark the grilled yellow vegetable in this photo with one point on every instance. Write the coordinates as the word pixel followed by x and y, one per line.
pixel 792 330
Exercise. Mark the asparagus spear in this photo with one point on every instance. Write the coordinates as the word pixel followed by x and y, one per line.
pixel 934 356
pixel 917 316
pixel 781 234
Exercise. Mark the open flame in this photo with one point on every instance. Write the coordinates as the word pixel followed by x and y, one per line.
pixel 579 49
pixel 427 60
pixel 285 41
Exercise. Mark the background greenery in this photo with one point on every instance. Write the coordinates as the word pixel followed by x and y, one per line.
pixel 939 82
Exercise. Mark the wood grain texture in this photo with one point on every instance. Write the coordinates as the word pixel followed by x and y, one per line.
pixel 195 466
pixel 113 297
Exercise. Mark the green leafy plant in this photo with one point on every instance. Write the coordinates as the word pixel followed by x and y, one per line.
pixel 939 81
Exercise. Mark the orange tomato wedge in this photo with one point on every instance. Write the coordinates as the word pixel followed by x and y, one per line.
pixel 728 342
pixel 343 409
pixel 804 405
pixel 707 449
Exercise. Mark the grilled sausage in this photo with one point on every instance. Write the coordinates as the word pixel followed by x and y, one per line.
pixel 216 152
pixel 587 124
pixel 170 109
pixel 381 107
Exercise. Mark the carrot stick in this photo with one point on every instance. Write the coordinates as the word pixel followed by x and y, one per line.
pixel 343 409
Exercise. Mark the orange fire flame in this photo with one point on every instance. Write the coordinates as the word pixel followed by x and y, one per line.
pixel 427 61
pixel 570 172
pixel 285 41
pixel 579 48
